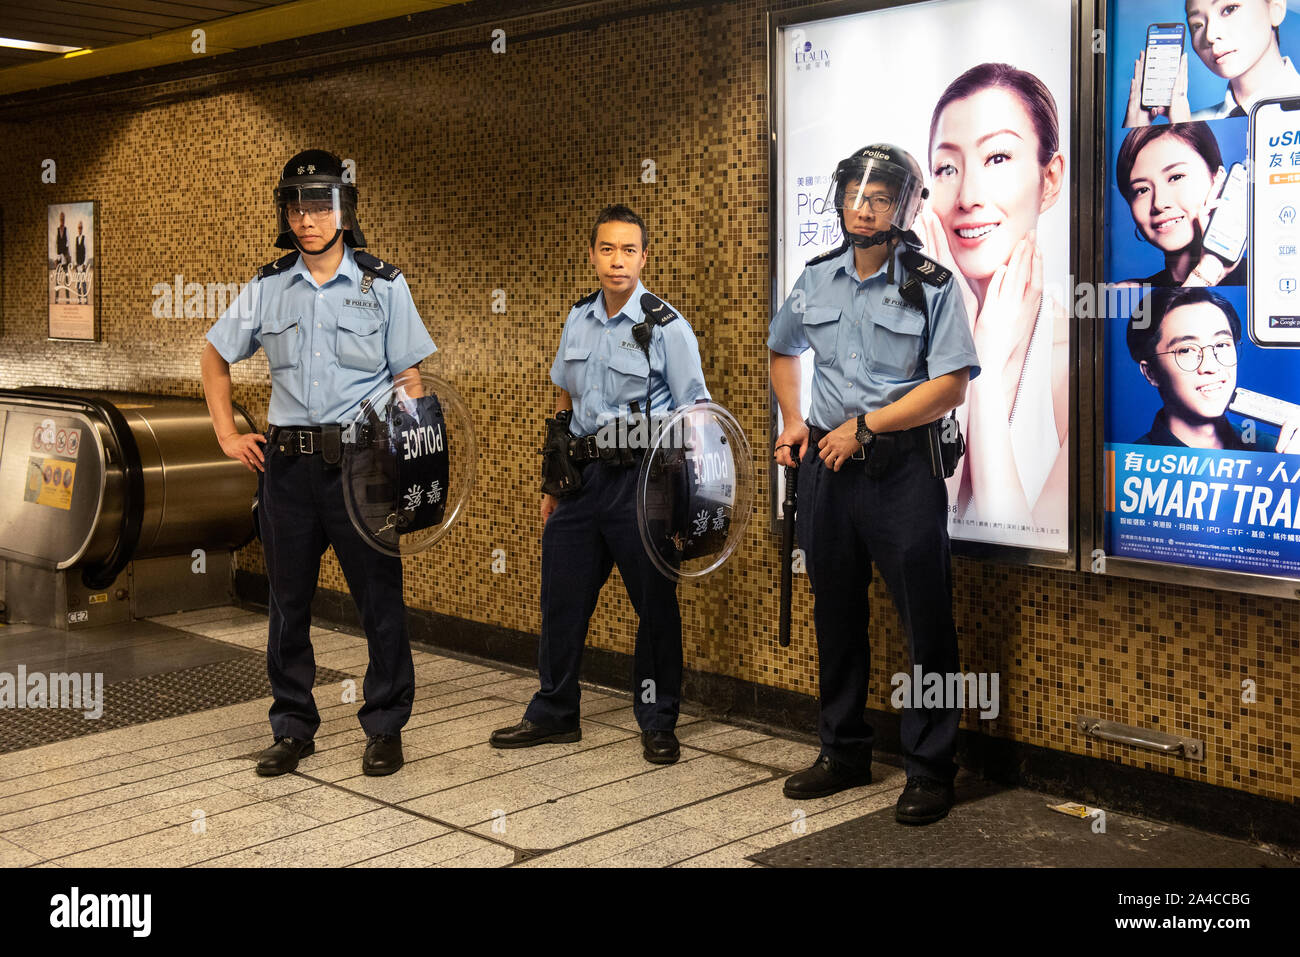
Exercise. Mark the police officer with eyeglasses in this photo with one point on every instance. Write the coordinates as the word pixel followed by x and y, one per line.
pixel 894 353
pixel 336 324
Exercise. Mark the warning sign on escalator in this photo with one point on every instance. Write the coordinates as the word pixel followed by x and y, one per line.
pixel 49 482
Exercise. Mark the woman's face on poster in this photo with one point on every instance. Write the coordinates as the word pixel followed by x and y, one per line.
pixel 1169 184
pixel 1231 36
pixel 1203 392
pixel 988 187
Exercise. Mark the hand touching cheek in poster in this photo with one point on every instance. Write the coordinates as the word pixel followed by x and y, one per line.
pixel 997 166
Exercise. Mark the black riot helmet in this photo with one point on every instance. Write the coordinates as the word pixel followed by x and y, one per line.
pixel 312 185
pixel 884 164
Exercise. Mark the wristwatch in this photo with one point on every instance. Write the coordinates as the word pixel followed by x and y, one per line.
pixel 864 434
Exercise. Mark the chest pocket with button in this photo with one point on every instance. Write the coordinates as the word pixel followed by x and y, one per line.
pixel 360 343
pixel 897 339
pixel 821 327
pixel 628 370
pixel 281 339
pixel 575 368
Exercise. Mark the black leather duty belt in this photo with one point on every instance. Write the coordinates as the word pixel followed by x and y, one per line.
pixel 307 440
pixel 584 449
pixel 903 441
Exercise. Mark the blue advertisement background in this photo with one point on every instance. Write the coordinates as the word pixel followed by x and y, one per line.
pixel 1131 403
pixel 1235 510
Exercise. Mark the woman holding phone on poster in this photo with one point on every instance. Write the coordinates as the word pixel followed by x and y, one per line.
pixel 996 167
pixel 1237 40
pixel 1171 177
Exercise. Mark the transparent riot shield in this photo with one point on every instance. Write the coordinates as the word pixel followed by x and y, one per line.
pixel 695 490
pixel 408 465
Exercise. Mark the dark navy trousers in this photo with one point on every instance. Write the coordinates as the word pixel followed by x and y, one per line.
pixel 300 513
pixel 847 520
pixel 586 535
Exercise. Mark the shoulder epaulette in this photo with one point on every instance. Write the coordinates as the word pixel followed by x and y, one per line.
pixel 378 267
pixel 586 300
pixel 829 254
pixel 655 310
pixel 280 265
pixel 927 269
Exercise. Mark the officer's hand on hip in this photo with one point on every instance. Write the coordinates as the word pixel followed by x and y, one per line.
pixel 839 445
pixel 243 447
pixel 549 502
pixel 795 434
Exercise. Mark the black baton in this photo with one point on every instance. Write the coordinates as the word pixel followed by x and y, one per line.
pixel 787 543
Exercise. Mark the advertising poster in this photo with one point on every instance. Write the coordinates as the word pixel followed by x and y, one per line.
pixel 1202 368
pixel 986 112
pixel 70 268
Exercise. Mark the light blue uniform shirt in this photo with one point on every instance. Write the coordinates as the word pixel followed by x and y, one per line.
pixel 870 344
pixel 603 369
pixel 328 346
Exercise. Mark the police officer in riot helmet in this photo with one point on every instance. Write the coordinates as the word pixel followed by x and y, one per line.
pixel 894 354
pixel 336 324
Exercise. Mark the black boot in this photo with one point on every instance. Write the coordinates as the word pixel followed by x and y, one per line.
pixel 282 757
pixel 383 755
pixel 924 801
pixel 525 734
pixel 824 778
pixel 660 747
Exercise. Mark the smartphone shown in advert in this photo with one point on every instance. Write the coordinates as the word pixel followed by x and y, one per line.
pixel 1273 293
pixel 1160 73
pixel 1265 408
pixel 1226 236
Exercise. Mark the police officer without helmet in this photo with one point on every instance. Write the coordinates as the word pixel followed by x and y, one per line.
pixel 612 354
pixel 336 324
pixel 894 353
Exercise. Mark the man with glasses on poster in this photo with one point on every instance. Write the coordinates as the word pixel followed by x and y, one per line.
pixel 1185 342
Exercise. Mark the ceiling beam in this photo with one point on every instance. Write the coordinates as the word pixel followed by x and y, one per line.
pixel 254 28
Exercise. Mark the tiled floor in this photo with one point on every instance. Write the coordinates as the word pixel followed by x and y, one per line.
pixel 182 791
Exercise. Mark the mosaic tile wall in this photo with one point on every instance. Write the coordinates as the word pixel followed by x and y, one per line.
pixel 480 172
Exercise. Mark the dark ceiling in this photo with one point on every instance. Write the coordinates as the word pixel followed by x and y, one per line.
pixel 93 24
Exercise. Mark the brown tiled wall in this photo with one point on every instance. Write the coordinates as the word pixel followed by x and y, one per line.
pixel 480 171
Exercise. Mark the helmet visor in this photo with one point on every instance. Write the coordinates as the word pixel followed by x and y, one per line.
pixel 314 210
pixel 884 193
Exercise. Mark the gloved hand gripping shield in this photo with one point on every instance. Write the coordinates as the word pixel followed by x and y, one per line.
pixel 408 464
pixel 695 491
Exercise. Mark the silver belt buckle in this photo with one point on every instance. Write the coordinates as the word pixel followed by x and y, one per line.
pixel 860 455
pixel 310 444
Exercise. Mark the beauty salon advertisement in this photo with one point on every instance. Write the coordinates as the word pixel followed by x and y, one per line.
pixel 1202 376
